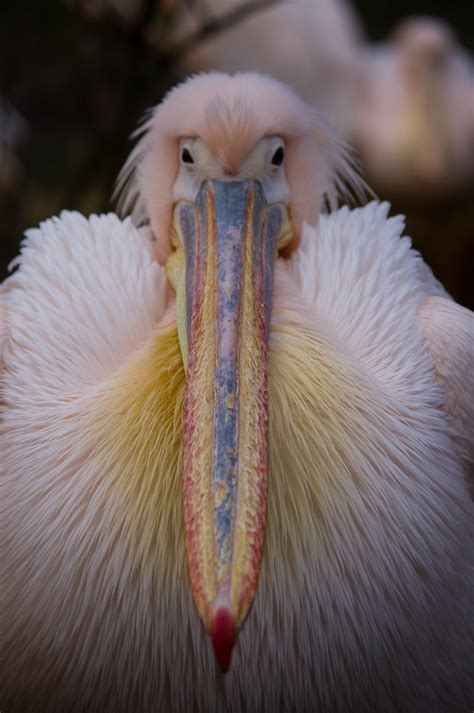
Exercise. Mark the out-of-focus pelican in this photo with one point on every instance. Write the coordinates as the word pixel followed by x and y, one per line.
pixel 313 46
pixel 414 121
pixel 136 377
pixel 316 47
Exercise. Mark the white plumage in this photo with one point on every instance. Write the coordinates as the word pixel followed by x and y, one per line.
pixel 363 600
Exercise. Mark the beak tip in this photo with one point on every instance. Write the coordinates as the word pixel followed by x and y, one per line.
pixel 223 636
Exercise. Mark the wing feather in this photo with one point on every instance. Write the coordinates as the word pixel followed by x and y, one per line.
pixel 86 294
pixel 448 330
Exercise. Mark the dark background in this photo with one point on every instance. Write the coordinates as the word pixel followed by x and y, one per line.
pixel 83 82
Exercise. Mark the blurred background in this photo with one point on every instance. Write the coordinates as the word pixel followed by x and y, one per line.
pixel 395 79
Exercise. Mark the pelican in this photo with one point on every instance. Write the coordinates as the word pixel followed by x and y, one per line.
pixel 235 437
pixel 414 122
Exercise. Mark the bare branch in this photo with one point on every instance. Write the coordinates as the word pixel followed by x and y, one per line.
pixel 214 26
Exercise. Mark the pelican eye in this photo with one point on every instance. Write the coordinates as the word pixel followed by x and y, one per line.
pixel 186 156
pixel 278 156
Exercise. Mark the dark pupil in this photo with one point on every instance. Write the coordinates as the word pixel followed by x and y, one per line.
pixel 278 156
pixel 186 156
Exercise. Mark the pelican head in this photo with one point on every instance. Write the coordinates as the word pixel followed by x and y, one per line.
pixel 226 171
pixel 425 42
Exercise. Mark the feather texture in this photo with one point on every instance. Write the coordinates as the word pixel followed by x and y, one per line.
pixel 363 595
pixel 448 329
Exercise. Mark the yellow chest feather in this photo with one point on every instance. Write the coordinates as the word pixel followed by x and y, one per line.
pixel 313 407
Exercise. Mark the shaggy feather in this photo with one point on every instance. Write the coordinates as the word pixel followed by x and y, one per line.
pixel 363 596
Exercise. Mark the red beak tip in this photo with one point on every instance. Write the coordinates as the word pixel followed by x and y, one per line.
pixel 223 637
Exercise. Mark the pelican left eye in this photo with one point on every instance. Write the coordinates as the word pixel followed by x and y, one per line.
pixel 186 156
pixel 278 156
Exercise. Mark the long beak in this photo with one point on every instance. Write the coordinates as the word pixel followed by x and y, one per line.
pixel 230 241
